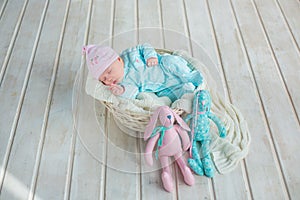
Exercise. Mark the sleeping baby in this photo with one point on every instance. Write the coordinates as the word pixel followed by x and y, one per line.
pixel 141 69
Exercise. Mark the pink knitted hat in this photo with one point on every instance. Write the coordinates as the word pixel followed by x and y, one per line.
pixel 99 58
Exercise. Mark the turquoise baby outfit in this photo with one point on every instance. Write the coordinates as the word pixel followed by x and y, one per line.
pixel 171 77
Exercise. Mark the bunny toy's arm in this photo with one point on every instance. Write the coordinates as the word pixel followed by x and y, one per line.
pixel 217 121
pixel 185 139
pixel 149 149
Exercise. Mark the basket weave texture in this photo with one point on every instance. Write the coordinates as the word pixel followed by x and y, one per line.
pixel 134 120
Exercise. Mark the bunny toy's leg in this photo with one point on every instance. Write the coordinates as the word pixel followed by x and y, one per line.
pixel 195 162
pixel 185 170
pixel 206 159
pixel 166 176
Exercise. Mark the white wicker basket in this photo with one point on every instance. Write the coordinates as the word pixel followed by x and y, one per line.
pixel 136 121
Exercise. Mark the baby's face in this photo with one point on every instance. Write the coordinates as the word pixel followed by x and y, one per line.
pixel 114 73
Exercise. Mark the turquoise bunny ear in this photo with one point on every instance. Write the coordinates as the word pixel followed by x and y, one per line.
pixel 202 101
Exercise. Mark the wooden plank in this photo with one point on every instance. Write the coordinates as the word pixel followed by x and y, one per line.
pixel 150 23
pixel 13 91
pixel 3 6
pixel 290 11
pixel 10 23
pixel 283 135
pixel 204 46
pixel 102 13
pixel 176 33
pixel 91 120
pixel 283 48
pixel 124 25
pixel 123 165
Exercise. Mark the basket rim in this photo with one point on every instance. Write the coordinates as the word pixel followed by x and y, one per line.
pixel 111 107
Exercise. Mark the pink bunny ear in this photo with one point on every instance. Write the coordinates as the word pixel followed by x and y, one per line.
pixel 181 122
pixel 151 125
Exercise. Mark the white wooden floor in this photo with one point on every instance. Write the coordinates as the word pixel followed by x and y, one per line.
pixel 52 146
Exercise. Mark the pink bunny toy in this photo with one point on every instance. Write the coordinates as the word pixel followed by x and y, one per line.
pixel 171 140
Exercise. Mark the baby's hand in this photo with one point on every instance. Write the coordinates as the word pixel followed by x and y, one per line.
pixel 117 89
pixel 152 61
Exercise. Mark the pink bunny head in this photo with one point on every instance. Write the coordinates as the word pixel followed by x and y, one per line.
pixel 166 117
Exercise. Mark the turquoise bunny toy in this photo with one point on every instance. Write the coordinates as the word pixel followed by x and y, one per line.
pixel 200 161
